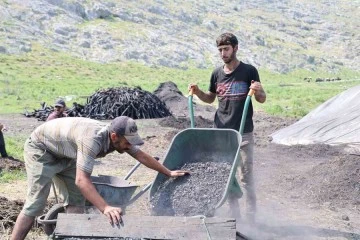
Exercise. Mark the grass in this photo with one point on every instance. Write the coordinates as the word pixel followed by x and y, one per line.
pixel 15 146
pixel 9 176
pixel 28 80
pixel 43 75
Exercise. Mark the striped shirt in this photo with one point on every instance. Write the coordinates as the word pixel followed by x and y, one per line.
pixel 81 139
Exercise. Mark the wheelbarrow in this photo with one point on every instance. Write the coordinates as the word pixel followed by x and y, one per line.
pixel 223 145
pixel 115 191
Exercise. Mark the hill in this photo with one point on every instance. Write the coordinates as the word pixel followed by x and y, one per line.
pixel 279 36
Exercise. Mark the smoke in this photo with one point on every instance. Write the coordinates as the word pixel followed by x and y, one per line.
pixel 271 222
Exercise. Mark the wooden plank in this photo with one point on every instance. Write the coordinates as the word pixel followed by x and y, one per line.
pixel 153 227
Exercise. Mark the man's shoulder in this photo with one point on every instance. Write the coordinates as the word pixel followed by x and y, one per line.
pixel 218 69
pixel 247 67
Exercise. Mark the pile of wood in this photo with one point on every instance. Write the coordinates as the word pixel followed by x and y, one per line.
pixel 111 103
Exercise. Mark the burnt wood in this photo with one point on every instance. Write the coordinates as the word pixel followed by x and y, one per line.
pixel 106 104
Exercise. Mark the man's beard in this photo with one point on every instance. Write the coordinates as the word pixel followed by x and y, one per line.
pixel 230 59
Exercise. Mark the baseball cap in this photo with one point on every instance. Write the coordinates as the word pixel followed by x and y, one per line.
pixel 60 103
pixel 126 126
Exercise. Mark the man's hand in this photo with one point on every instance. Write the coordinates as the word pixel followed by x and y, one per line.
pixel 194 87
pixel 207 97
pixel 114 214
pixel 260 94
pixel 178 173
pixel 256 85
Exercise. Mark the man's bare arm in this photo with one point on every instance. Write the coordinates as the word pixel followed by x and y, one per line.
pixel 207 97
pixel 152 163
pixel 88 190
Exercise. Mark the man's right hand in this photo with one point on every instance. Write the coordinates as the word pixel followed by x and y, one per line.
pixel 194 87
pixel 114 214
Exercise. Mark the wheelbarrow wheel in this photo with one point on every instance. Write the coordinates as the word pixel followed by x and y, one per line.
pixel 52 215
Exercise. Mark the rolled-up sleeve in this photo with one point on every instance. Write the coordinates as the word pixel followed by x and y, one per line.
pixel 133 150
pixel 87 152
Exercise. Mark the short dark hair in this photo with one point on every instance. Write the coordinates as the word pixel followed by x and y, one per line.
pixel 227 39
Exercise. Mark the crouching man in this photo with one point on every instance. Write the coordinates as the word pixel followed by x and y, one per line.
pixel 65 150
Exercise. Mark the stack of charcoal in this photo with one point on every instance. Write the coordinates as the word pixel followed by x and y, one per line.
pixel 123 101
pixel 111 103
pixel 42 114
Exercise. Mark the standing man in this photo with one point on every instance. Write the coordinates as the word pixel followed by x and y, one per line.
pixel 2 142
pixel 230 83
pixel 59 111
pixel 65 149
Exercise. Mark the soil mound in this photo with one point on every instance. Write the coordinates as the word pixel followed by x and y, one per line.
pixel 169 93
pixel 183 122
pixel 10 163
pixel 9 210
pixel 337 182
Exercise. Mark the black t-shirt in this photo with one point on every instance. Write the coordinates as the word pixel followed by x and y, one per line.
pixel 231 90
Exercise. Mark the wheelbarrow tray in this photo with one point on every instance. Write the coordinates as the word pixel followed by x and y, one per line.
pixel 114 190
pixel 221 144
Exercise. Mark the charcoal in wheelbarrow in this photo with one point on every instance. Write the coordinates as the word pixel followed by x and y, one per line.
pixel 211 156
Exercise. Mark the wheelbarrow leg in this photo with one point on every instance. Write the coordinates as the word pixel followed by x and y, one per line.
pixel 132 170
pixel 54 190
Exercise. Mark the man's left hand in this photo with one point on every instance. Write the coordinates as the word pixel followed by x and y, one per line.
pixel 260 94
pixel 256 85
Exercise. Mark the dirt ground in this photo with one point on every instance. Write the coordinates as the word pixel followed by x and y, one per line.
pixel 303 192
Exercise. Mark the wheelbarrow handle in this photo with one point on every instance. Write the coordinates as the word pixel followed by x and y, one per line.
pixel 191 108
pixel 246 106
pixel 251 92
pixel 191 92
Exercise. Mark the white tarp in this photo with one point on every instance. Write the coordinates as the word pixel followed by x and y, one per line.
pixel 335 122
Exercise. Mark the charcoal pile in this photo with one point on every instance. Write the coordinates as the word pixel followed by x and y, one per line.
pixel 123 101
pixel 194 194
pixel 110 103
pixel 41 114
pixel 77 110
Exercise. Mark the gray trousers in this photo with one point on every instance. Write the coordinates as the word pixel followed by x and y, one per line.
pixel 245 174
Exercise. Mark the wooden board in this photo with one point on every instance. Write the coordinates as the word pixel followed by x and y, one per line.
pixel 150 227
